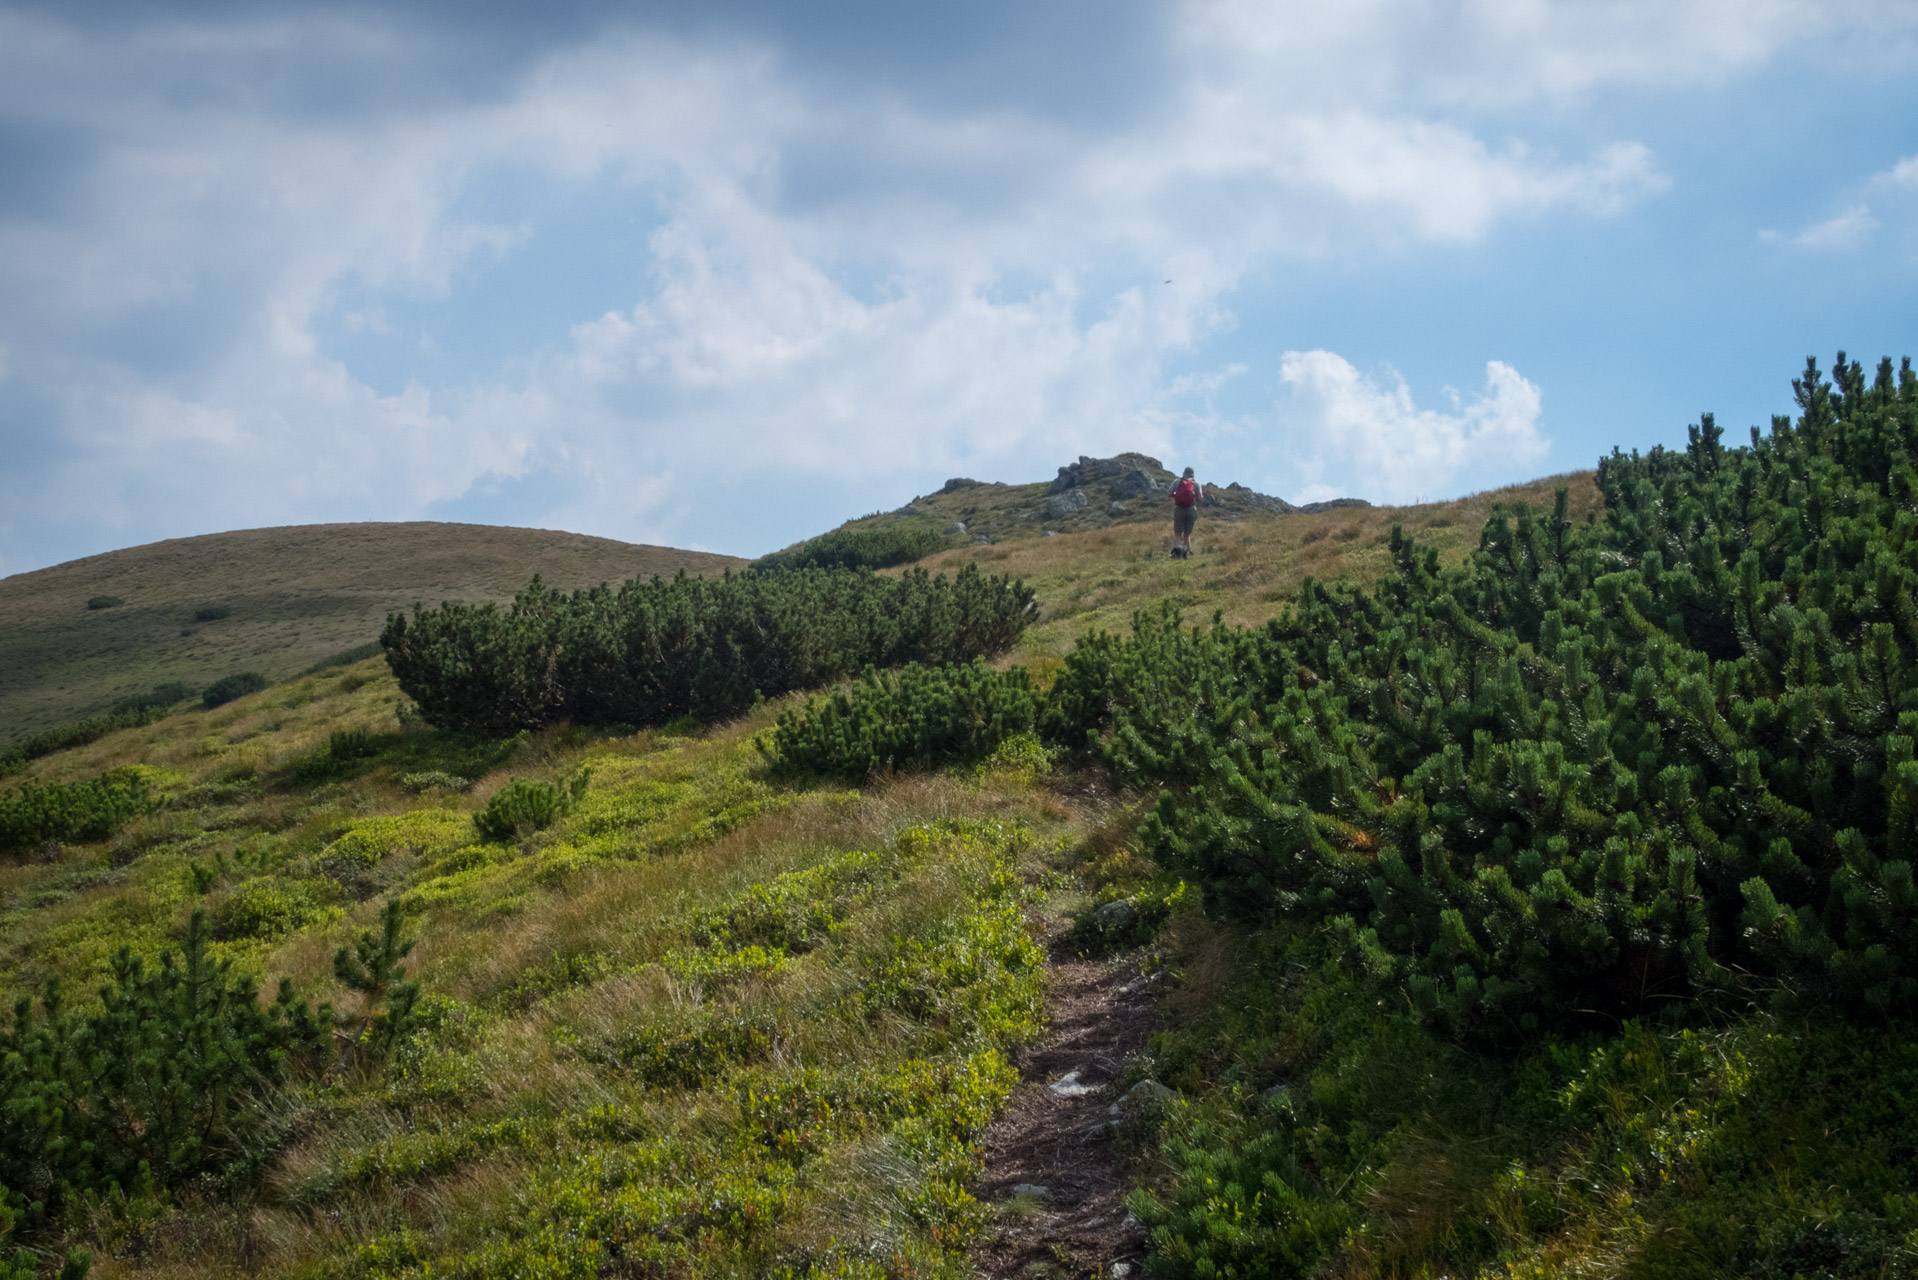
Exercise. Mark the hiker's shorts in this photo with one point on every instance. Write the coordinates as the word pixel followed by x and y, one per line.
pixel 1183 518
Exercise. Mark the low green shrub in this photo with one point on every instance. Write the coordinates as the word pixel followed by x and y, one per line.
pixel 523 806
pixel 265 907
pixel 922 716
pixel 161 1082
pixel 158 698
pixel 212 613
pixel 227 688
pixel 653 652
pixel 104 602
pixel 69 812
pixel 856 549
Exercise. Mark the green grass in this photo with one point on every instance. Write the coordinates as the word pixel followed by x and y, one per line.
pixel 716 1021
pixel 705 1023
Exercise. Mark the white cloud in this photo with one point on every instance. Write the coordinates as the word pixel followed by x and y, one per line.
pixel 1902 174
pixel 1360 437
pixel 1846 230
pixel 839 280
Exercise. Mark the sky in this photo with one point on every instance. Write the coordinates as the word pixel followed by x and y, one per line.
pixel 722 275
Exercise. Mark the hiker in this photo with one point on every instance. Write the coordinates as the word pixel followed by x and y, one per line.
pixel 1185 513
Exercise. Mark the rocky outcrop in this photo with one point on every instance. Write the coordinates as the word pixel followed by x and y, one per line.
pixel 1096 471
pixel 1236 492
pixel 1332 504
pixel 1136 483
pixel 1062 504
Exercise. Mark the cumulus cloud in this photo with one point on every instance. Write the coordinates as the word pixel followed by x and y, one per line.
pixel 1368 438
pixel 832 278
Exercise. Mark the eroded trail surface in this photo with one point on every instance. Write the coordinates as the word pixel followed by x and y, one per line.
pixel 1049 1158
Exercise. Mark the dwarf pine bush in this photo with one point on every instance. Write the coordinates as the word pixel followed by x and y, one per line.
pixel 157 1083
pixel 653 652
pixel 922 716
pixel 856 549
pixel 1593 768
pixel 67 812
pixel 227 688
pixel 521 806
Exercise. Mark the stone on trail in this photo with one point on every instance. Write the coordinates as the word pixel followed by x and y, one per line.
pixel 1070 1086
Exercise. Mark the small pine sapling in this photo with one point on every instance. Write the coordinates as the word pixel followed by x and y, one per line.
pixel 373 968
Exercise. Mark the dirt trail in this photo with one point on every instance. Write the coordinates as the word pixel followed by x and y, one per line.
pixel 1047 1137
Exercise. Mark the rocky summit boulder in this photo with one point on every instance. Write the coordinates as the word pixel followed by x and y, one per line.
pixel 1061 505
pixel 1137 483
pixel 1096 471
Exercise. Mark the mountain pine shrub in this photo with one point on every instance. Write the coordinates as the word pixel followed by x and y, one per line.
pixel 158 1083
pixel 1595 768
pixel 67 812
pixel 856 549
pixel 653 652
pixel 389 1004
pixel 227 688
pixel 522 806
pixel 919 717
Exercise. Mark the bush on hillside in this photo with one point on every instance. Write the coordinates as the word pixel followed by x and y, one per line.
pixel 653 652
pixel 162 1081
pixel 70 812
pixel 227 688
pixel 1594 769
pixel 158 698
pixel 856 549
pixel 212 613
pixel 104 602
pixel 522 807
pixel 922 716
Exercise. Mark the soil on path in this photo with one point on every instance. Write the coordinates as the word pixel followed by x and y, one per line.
pixel 1100 1016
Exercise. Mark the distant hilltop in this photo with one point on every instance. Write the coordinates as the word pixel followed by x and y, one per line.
pixel 1088 494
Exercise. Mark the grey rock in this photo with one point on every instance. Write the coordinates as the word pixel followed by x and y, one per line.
pixel 1136 483
pixel 981 541
pixel 1115 917
pixel 1116 508
pixel 1052 533
pixel 1070 1086
pixel 1061 505
pixel 1146 1093
pixel 957 529
pixel 1332 504
pixel 1094 470
pixel 908 510
pixel 957 483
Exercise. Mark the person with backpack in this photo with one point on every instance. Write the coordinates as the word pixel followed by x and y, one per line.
pixel 1185 514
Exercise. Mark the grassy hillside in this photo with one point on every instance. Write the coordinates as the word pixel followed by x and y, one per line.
pixel 718 1018
pixel 292 596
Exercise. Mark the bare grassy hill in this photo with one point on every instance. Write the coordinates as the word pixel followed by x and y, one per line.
pixel 293 596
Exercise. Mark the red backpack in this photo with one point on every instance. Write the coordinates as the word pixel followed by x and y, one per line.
pixel 1186 494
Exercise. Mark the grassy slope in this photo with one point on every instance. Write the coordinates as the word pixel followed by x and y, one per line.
pixel 835 1083
pixel 297 594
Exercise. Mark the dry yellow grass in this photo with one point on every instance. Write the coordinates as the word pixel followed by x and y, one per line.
pixel 1250 569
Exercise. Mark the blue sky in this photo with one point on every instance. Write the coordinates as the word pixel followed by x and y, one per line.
pixel 724 275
